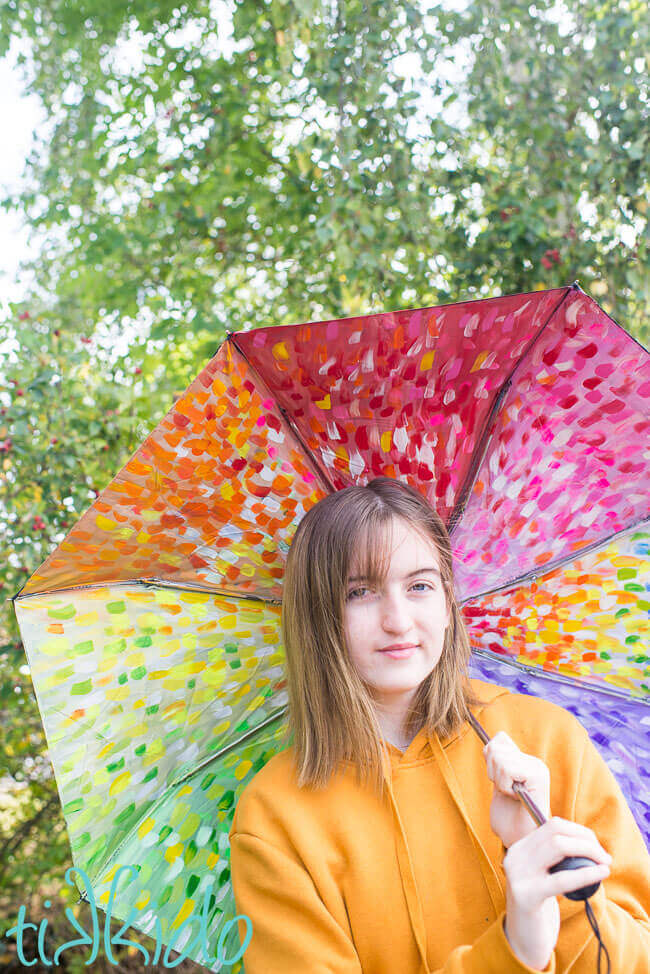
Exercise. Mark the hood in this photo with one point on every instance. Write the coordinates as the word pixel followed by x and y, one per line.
pixel 426 743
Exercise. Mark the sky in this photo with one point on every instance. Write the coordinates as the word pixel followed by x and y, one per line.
pixel 20 116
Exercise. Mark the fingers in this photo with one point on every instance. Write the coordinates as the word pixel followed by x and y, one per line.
pixel 501 742
pixel 548 845
pixel 563 846
pixel 527 863
pixel 567 880
pixel 528 771
pixel 505 763
pixel 529 889
pixel 560 834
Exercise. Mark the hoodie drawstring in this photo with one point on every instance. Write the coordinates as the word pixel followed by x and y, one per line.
pixel 490 875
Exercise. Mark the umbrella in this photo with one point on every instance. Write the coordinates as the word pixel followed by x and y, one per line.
pixel 152 631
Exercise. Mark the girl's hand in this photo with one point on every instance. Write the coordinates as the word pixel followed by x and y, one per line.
pixel 509 817
pixel 532 922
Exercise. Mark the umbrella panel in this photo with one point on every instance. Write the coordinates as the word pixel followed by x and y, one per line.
pixel 138 686
pixel 180 894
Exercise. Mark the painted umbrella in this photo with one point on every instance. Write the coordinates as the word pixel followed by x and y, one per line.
pixel 153 630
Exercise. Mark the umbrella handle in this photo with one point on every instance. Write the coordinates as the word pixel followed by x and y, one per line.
pixel 569 862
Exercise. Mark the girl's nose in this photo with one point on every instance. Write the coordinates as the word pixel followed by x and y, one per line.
pixel 395 614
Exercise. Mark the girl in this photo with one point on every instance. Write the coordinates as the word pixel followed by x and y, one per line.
pixel 375 843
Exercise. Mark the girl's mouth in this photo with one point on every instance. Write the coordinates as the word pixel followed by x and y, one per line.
pixel 399 653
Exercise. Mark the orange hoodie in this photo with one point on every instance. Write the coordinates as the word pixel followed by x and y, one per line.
pixel 336 881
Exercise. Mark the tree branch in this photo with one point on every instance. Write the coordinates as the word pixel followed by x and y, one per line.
pixel 23 831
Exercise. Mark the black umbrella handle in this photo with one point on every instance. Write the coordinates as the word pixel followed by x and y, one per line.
pixel 569 862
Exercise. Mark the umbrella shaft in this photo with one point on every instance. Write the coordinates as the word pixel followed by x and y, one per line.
pixel 518 789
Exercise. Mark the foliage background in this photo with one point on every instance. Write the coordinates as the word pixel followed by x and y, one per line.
pixel 229 164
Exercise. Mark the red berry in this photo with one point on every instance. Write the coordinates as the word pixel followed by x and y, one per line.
pixel 23 316
pixel 57 333
pixel 54 440
pixel 555 254
pixel 504 216
pixel 546 263
pixel 19 392
pixel 138 371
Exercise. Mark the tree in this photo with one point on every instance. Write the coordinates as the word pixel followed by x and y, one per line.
pixel 554 164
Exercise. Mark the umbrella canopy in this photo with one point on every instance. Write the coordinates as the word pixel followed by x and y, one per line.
pixel 153 630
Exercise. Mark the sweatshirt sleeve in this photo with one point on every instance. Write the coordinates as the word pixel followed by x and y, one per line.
pixel 492 954
pixel 621 904
pixel 292 930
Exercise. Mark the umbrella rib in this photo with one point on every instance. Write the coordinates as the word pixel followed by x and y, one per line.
pixel 152 583
pixel 190 774
pixel 221 592
pixel 488 428
pixel 558 677
pixel 576 285
pixel 233 744
pixel 552 566
pixel 322 474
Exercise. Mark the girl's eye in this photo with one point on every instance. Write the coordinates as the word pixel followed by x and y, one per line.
pixel 426 585
pixel 355 592
pixel 358 593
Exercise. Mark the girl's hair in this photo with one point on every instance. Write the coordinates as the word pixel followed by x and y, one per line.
pixel 332 716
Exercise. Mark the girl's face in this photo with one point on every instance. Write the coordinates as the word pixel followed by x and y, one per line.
pixel 410 608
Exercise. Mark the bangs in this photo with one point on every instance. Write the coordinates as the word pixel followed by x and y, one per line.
pixel 371 548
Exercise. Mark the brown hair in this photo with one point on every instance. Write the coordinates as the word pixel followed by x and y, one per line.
pixel 331 712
